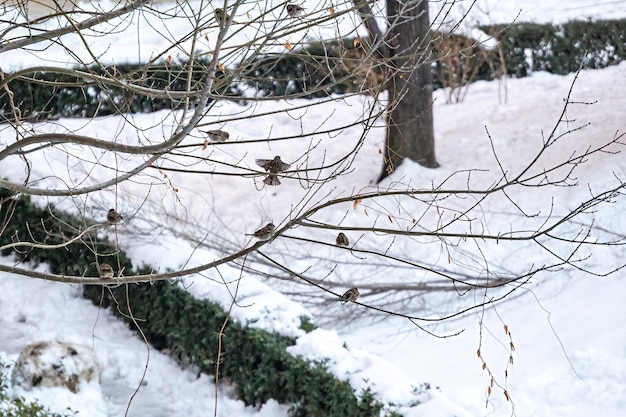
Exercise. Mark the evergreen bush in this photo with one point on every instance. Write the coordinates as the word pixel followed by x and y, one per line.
pixel 316 70
pixel 43 95
pixel 255 361
pixel 560 49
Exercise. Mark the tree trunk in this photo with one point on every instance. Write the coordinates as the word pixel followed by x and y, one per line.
pixel 409 115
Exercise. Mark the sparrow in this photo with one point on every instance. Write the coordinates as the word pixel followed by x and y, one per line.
pixel 264 233
pixel 294 10
pixel 218 135
pixel 113 217
pixel 351 295
pixel 105 271
pixel 271 179
pixel 342 240
pixel 273 166
pixel 221 17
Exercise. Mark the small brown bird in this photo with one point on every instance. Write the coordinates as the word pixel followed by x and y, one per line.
pixel 105 271
pixel 351 295
pixel 294 10
pixel 271 179
pixel 264 233
pixel 113 217
pixel 342 240
pixel 273 166
pixel 218 135
pixel 221 16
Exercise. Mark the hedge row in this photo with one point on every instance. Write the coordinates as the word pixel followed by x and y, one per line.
pixel 44 95
pixel 316 70
pixel 560 49
pixel 256 361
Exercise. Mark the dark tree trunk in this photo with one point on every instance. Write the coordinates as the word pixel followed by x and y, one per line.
pixel 409 116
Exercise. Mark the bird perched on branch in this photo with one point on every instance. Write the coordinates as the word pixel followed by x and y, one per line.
pixel 222 17
pixel 264 233
pixel 113 217
pixel 294 10
pixel 273 166
pixel 342 240
pixel 217 135
pixel 351 295
pixel 105 271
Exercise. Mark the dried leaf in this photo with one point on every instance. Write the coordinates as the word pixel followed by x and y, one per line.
pixel 221 67
pixel 506 395
pixel 357 41
pixel 249 17
pixel 169 60
pixel 175 190
pixel 331 10
pixel 356 203
pixel 484 365
pixel 506 329
pixel 478 353
pixel 512 345
pixel 206 144
pixel 511 359
pixel 488 390
pixel 380 151
pixel 288 46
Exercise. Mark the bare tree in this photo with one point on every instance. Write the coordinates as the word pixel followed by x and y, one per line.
pixel 410 117
pixel 404 48
pixel 165 174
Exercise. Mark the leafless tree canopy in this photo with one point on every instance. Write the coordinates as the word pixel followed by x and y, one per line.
pixel 166 174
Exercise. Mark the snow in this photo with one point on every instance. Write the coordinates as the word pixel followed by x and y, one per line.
pixel 58 312
pixel 570 352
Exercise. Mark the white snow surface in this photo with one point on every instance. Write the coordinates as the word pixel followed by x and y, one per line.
pixel 570 349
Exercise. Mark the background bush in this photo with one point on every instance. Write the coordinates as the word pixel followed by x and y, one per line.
pixel 314 71
pixel 560 49
pixel 44 95
pixel 255 361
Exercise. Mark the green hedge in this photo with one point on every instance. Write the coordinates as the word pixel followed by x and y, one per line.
pixel 256 361
pixel 560 49
pixel 313 71
pixel 44 95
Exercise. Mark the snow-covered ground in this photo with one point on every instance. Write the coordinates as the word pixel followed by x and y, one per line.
pixel 31 311
pixel 570 352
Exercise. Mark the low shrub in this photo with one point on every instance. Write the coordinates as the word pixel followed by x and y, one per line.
pixel 255 361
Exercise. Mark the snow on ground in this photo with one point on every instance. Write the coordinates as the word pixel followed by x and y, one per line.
pixel 569 357
pixel 32 310
pixel 541 381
